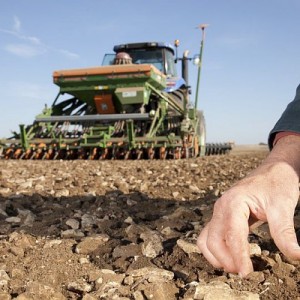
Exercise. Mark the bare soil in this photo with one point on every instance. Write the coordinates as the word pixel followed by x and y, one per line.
pixel 127 230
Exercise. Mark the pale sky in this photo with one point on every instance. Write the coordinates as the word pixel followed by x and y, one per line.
pixel 250 61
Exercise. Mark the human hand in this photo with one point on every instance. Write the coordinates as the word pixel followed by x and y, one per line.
pixel 269 194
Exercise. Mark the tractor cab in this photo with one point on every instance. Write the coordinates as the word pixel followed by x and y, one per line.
pixel 160 55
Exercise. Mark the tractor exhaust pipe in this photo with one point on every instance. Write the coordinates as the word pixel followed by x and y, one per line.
pixel 185 67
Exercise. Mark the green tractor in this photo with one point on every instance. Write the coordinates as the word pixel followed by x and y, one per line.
pixel 133 106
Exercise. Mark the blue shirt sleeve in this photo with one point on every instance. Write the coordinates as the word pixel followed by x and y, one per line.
pixel 289 120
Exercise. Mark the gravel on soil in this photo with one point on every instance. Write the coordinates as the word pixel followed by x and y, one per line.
pixel 127 230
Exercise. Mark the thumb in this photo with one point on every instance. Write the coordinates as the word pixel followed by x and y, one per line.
pixel 281 224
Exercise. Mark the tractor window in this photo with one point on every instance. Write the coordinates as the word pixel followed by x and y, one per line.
pixel 161 58
pixel 170 64
pixel 140 56
pixel 108 59
pixel 148 56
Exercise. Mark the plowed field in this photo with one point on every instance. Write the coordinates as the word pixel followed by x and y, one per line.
pixel 127 230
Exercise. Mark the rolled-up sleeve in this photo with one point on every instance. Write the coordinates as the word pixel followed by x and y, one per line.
pixel 289 120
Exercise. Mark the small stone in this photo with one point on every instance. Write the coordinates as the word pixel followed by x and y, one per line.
pixel 72 233
pixel 90 244
pixel 127 251
pixel 217 290
pixel 161 291
pixel 168 231
pixel 3 213
pixel 26 185
pixel 144 187
pixel 187 247
pixel 52 243
pixel 277 258
pixel 122 186
pixel 39 187
pixel 130 202
pixel 194 189
pixel 107 271
pixel 83 260
pixel 128 280
pixel 73 223
pixel 108 278
pixel 175 194
pixel 265 252
pixel 3 275
pixel 88 221
pixel 217 193
pixel 153 274
pixel 13 220
pixel 29 219
pixel 79 287
pixel 4 191
pixel 22 240
pixel 203 289
pixel 152 245
pixel 137 295
pixel 62 193
pixel 254 249
pixel 128 220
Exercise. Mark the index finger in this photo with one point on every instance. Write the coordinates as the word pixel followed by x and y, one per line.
pixel 228 235
pixel 236 238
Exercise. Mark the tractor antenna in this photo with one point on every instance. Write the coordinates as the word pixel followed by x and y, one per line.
pixel 202 27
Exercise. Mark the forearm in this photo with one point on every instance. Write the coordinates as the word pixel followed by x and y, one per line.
pixel 286 151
